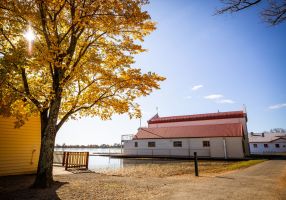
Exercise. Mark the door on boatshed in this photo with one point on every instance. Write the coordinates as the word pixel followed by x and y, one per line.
pixel 201 146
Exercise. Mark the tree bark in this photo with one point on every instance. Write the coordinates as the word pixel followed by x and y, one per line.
pixel 44 176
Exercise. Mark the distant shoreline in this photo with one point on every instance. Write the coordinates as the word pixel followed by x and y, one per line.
pixel 87 147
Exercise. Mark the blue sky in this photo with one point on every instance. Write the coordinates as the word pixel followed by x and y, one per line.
pixel 232 59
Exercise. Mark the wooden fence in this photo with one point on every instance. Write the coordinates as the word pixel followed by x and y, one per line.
pixel 75 160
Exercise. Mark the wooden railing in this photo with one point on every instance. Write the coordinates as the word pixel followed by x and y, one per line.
pixel 75 160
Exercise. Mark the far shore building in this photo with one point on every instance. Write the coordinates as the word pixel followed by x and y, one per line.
pixel 211 135
pixel 267 143
pixel 19 147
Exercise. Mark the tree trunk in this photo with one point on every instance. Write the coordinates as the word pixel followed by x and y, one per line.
pixel 45 166
pixel 44 176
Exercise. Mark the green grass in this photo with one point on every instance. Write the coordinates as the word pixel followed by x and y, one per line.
pixel 243 164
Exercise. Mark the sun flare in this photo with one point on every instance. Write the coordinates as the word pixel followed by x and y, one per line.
pixel 29 35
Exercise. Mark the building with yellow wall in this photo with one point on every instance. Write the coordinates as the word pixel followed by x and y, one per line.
pixel 19 147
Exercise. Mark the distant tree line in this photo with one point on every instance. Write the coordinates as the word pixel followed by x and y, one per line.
pixel 276 130
pixel 115 145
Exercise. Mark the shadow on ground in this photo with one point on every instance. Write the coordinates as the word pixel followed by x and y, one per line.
pixel 19 187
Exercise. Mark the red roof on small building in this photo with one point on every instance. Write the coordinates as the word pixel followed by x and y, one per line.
pixel 193 131
pixel 208 116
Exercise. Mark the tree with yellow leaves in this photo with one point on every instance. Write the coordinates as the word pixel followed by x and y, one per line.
pixel 64 59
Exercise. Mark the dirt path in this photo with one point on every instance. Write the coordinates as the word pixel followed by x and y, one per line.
pixel 263 181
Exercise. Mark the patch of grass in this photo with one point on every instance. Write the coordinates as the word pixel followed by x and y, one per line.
pixel 243 164
pixel 179 168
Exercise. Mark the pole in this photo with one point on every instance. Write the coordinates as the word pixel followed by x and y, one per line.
pixel 67 160
pixel 86 161
pixel 121 146
pixel 196 164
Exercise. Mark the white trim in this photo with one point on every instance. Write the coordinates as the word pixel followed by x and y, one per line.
pixel 224 148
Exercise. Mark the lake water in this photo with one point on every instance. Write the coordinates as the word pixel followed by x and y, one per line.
pixel 100 163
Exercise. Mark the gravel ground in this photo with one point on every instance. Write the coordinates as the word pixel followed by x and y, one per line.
pixel 142 182
pixel 83 186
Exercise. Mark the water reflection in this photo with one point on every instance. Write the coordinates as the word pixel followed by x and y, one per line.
pixel 103 163
pixel 98 163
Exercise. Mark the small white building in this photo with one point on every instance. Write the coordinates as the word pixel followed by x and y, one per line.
pixel 267 143
pixel 215 135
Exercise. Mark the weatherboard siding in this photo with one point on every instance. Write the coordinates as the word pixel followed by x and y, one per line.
pixel 260 149
pixel 19 147
pixel 164 147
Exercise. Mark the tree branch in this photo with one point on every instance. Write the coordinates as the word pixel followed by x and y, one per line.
pixel 101 97
pixel 81 54
pixel 44 23
pixel 275 14
pixel 27 89
pixel 236 5
pixel 8 40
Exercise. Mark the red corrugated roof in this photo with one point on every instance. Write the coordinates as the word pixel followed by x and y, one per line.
pixel 208 116
pixel 193 131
